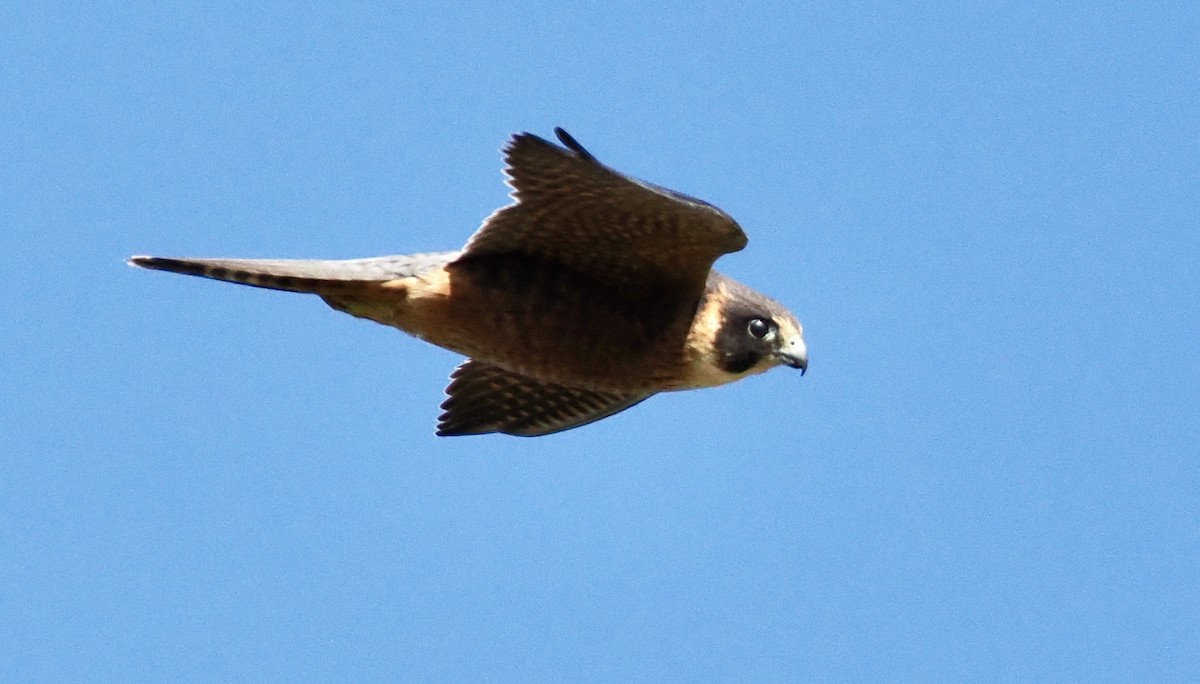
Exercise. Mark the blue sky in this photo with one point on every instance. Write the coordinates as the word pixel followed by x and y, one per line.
pixel 984 214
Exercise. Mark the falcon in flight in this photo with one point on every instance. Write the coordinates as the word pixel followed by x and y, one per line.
pixel 587 294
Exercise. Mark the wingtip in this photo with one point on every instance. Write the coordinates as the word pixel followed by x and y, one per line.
pixel 566 139
pixel 572 144
pixel 448 430
pixel 139 261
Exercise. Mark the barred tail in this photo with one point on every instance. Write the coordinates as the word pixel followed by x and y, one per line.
pixel 299 275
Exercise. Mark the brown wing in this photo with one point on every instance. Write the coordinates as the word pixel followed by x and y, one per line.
pixel 484 398
pixel 572 210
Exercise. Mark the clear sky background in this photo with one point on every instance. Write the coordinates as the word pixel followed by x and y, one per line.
pixel 985 215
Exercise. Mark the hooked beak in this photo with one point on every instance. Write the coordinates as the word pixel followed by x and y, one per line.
pixel 794 354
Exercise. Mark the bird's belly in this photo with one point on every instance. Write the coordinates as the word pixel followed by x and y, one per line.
pixel 552 325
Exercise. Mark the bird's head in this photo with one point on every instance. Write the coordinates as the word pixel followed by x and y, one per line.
pixel 746 332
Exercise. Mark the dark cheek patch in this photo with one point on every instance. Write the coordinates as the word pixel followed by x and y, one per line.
pixel 736 351
pixel 739 363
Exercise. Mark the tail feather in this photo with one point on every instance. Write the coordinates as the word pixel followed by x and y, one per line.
pixel 299 275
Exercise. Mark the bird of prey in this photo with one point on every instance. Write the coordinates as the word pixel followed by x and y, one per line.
pixel 588 293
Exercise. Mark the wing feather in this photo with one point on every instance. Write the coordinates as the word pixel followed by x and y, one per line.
pixel 485 398
pixel 572 210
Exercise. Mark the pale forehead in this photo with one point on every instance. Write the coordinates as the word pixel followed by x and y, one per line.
pixel 788 324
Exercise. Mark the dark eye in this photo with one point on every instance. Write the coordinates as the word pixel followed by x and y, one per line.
pixel 758 328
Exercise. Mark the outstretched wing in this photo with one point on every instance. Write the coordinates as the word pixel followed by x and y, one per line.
pixel 484 398
pixel 572 210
